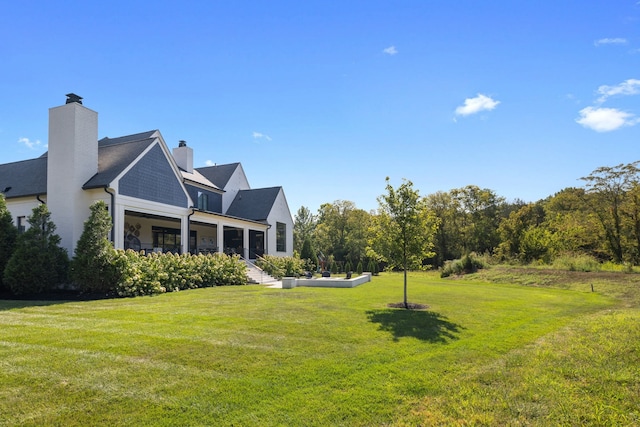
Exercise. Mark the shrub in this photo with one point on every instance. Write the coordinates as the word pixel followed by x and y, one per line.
pixel 8 236
pixel 92 268
pixel 334 267
pixel 280 267
pixel 348 267
pixel 139 274
pixel 466 265
pixel 359 268
pixel 576 262
pixel 38 263
pixel 308 255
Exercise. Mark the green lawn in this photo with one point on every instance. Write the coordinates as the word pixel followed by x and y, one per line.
pixel 494 354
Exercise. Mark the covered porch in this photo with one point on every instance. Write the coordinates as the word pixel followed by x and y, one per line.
pixel 207 233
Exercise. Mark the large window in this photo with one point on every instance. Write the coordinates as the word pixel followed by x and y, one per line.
pixel 166 238
pixel 281 237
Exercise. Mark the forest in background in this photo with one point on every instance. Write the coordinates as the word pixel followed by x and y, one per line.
pixel 600 220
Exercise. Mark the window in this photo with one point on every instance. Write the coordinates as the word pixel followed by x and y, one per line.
pixel 22 224
pixel 203 201
pixel 281 237
pixel 166 238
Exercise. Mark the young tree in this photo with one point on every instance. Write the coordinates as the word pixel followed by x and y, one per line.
pixel 8 236
pixel 38 262
pixel 92 266
pixel 403 229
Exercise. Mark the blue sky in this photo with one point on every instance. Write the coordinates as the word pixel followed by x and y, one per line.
pixel 329 98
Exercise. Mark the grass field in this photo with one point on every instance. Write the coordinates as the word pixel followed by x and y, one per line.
pixel 485 353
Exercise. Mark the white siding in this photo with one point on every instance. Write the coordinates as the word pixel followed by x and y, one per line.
pixel 237 182
pixel 280 213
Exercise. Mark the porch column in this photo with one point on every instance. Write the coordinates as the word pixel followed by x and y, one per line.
pixel 184 232
pixel 219 236
pixel 118 226
pixel 245 243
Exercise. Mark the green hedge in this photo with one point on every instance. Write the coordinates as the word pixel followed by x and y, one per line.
pixel 280 267
pixel 140 274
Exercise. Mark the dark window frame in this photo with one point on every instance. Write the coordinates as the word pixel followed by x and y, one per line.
pixel 281 237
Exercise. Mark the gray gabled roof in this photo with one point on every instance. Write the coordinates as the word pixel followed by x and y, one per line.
pixel 29 177
pixel 24 179
pixel 219 175
pixel 254 204
pixel 114 157
pixel 127 138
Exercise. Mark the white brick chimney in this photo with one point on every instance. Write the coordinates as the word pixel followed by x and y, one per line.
pixel 72 161
pixel 183 156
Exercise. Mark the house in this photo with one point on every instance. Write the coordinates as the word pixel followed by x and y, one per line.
pixel 157 199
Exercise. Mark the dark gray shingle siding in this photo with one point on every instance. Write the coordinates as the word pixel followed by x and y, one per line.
pixel 153 179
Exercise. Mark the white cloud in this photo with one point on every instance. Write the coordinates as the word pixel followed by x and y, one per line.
pixel 476 105
pixel 605 119
pixel 258 135
pixel 209 163
pixel 627 87
pixel 30 144
pixel 616 40
pixel 391 50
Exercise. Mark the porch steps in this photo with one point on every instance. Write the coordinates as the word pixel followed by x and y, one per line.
pixel 257 276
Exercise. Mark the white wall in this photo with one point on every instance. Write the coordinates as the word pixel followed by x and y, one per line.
pixel 237 182
pixel 22 207
pixel 280 213
pixel 72 161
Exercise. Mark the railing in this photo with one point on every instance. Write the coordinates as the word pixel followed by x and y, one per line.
pixel 253 264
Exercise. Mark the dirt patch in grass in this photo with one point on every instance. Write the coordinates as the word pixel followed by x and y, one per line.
pixel 409 306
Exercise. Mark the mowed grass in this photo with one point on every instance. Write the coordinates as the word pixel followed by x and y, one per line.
pixel 483 353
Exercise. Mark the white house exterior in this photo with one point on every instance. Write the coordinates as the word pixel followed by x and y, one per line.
pixel 157 200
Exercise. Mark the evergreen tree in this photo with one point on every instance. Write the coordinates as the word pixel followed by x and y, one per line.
pixel 348 267
pixel 8 236
pixel 308 254
pixel 38 263
pixel 92 266
pixel 359 268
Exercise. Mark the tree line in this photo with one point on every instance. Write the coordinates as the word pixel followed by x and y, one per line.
pixel 600 219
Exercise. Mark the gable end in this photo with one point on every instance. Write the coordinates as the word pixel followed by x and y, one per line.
pixel 152 178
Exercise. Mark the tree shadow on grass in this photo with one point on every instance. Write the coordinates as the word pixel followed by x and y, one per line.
pixel 9 301
pixel 421 324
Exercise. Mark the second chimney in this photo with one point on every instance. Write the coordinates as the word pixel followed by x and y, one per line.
pixel 183 156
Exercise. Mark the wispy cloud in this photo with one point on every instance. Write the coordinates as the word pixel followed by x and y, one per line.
pixel 605 119
pixel 209 163
pixel 32 145
pixel 605 41
pixel 258 135
pixel 476 105
pixel 627 87
pixel 391 50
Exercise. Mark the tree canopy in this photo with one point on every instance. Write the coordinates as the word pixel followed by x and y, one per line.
pixel 403 229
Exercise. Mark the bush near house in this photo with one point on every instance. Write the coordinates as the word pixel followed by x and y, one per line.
pixel 8 236
pixel 38 263
pixel 139 274
pixel 280 267
pixel 92 267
